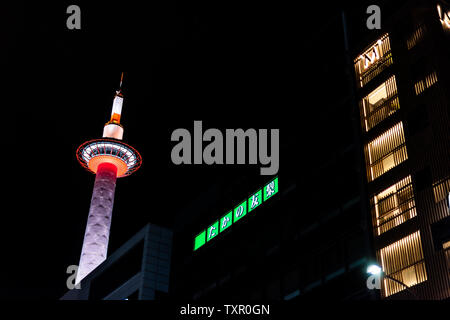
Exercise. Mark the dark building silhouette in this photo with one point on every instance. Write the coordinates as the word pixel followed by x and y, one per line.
pixel 138 270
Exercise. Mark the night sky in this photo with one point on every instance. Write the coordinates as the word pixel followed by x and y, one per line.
pixel 228 64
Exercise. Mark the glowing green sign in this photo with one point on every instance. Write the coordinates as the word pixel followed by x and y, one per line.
pixel 212 231
pixel 270 189
pixel 199 240
pixel 233 216
pixel 226 221
pixel 240 211
pixel 255 200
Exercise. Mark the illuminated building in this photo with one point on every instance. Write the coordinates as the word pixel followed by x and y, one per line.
pixel 401 87
pixel 108 158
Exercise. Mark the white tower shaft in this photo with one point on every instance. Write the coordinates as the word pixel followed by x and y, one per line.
pixel 96 237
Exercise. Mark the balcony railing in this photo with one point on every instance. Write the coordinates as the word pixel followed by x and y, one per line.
pixel 402 260
pixel 381 112
pixel 385 152
pixel 393 206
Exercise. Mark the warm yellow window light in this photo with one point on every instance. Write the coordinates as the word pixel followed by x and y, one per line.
pixel 403 260
pixel 373 60
pixel 385 152
pixel 393 206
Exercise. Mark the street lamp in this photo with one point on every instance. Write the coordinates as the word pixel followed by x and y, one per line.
pixel 375 269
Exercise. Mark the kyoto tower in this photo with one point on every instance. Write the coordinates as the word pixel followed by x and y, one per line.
pixel 108 158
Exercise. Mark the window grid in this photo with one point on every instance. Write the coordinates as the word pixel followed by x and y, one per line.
pixel 403 260
pixel 372 114
pixel 441 190
pixel 109 148
pixel 416 36
pixel 373 61
pixel 393 206
pixel 385 152
pixel 421 85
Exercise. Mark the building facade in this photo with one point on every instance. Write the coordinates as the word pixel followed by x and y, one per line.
pixel 302 243
pixel 402 83
pixel 138 270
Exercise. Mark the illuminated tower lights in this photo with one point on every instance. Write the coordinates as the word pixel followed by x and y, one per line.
pixel 108 158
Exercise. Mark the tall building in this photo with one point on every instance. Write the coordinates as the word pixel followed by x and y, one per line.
pixel 401 75
pixel 108 158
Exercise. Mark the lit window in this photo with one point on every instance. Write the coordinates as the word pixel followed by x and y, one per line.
pixel 421 85
pixel 416 37
pixel 446 245
pixel 385 152
pixel 402 260
pixel 373 60
pixel 379 104
pixel 443 16
pixel 441 190
pixel 393 206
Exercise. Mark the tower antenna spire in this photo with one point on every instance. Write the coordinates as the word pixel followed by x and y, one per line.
pixel 113 128
pixel 121 80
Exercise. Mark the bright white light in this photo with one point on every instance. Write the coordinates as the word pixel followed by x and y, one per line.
pixel 117 105
pixel 109 148
pixel 448 199
pixel 374 269
pixel 113 130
